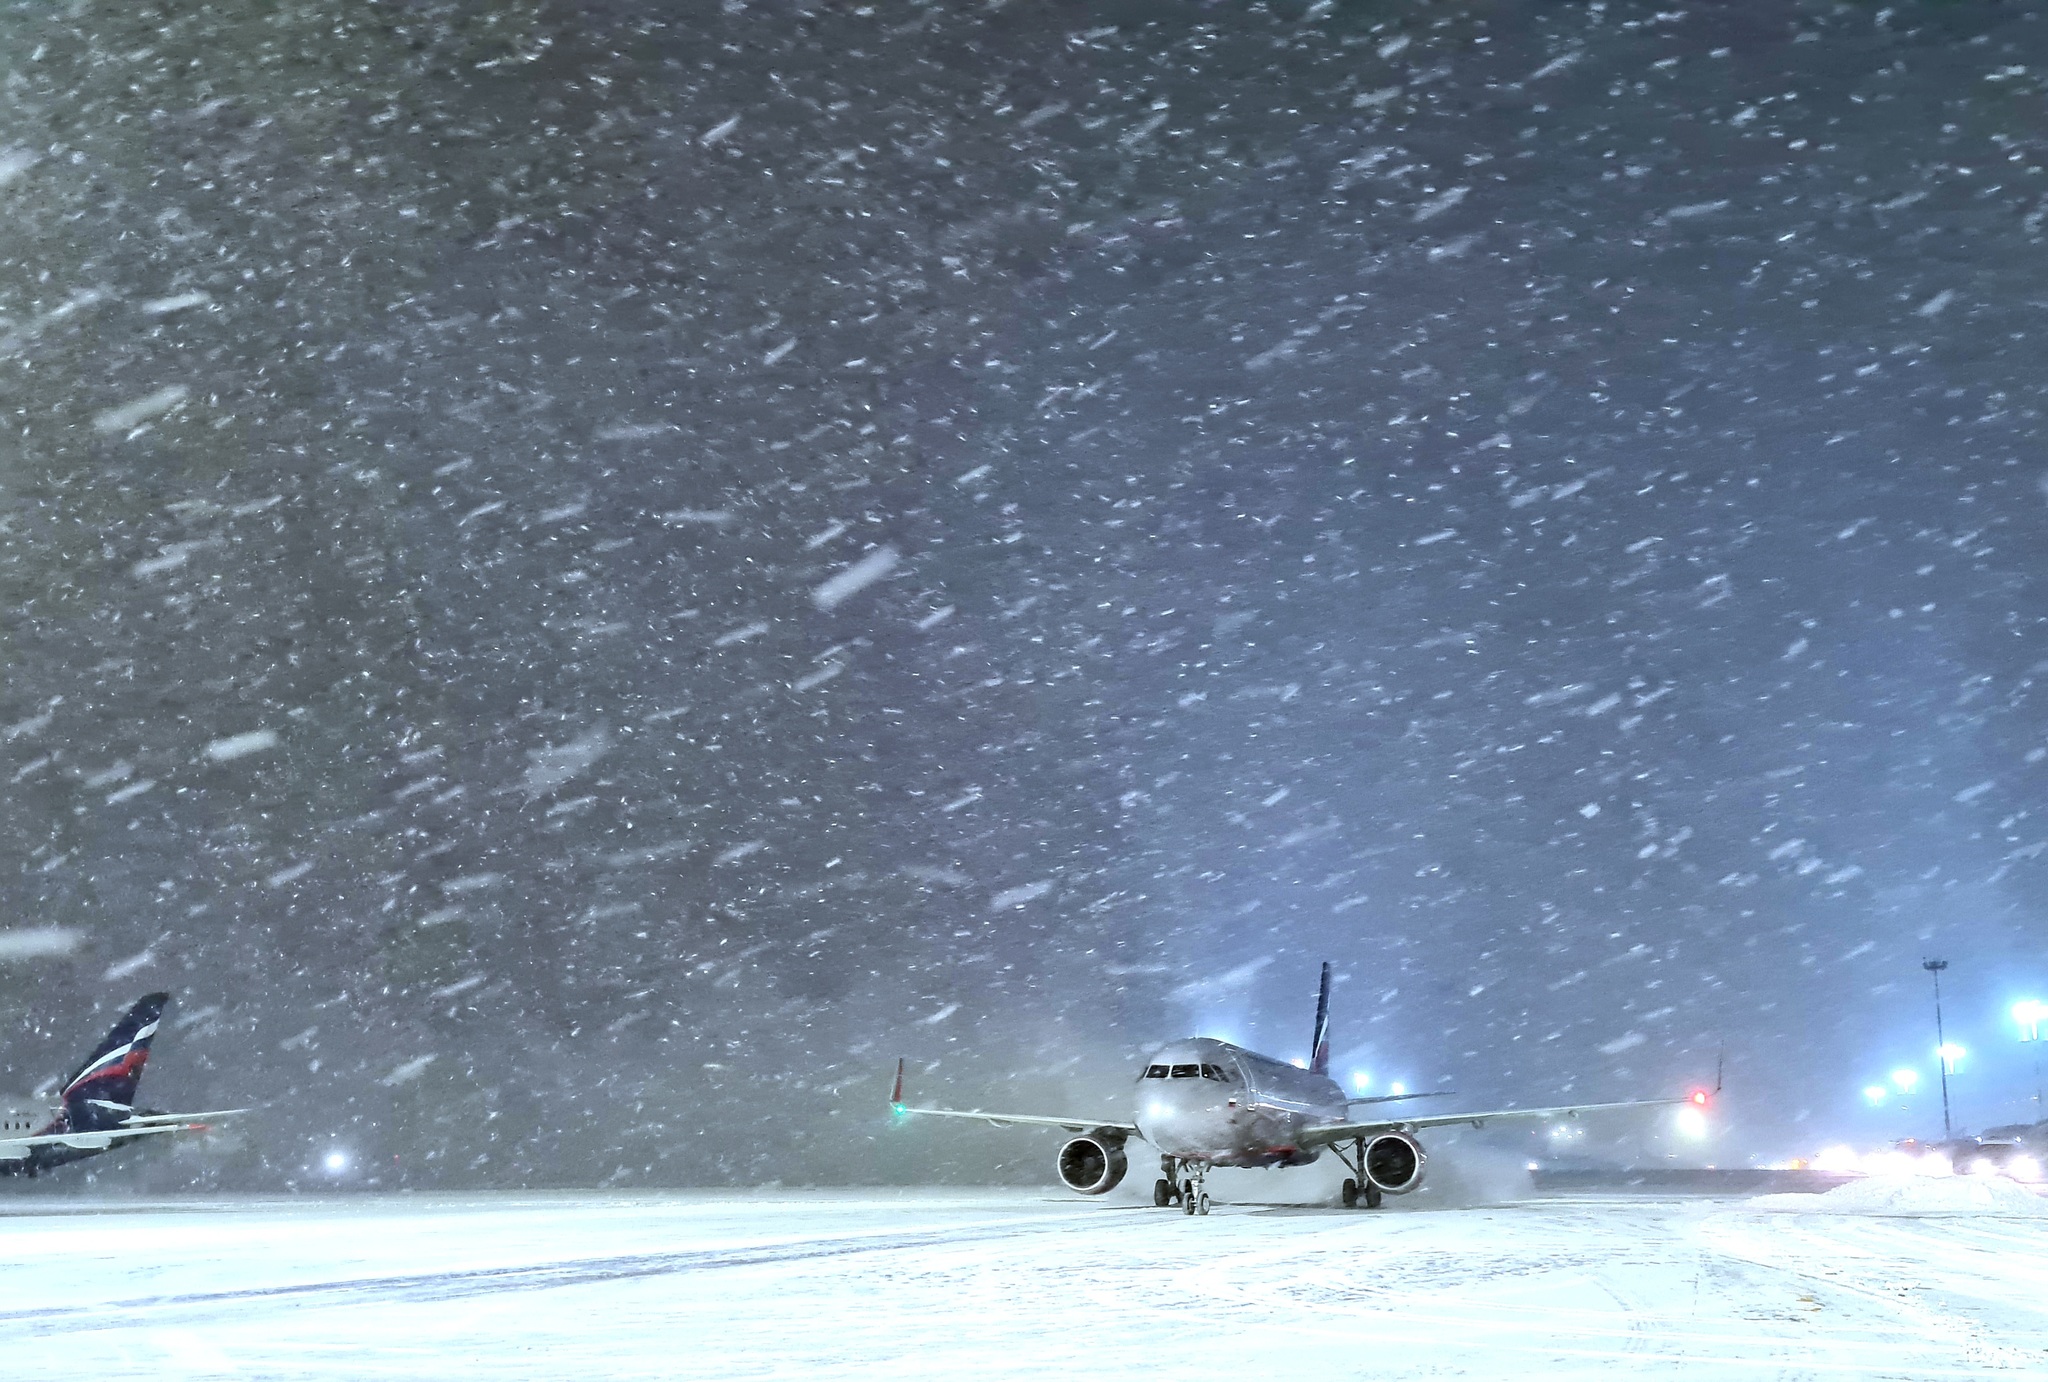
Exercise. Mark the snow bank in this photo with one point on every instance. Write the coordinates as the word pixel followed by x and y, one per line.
pixel 1915 1196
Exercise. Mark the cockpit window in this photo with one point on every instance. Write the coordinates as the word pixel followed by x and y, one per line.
pixel 1155 1072
pixel 1215 1072
pixel 1187 1072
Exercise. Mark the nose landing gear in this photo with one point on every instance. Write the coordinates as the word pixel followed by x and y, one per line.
pixel 1181 1183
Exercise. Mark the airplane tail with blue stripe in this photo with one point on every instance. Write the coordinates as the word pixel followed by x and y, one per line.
pixel 1319 1052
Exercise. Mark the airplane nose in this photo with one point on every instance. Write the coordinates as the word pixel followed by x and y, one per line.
pixel 1185 1121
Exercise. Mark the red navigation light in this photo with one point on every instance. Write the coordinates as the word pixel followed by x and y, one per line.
pixel 1699 1098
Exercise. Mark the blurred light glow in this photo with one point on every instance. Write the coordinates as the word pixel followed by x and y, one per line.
pixel 2030 1013
pixel 1950 1054
pixel 1361 1081
pixel 1838 1161
pixel 1905 1079
pixel 1397 1089
pixel 336 1162
pixel 1300 1064
pixel 1876 1093
pixel 2023 1168
pixel 1692 1123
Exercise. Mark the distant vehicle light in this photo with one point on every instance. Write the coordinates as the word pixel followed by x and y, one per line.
pixel 2023 1168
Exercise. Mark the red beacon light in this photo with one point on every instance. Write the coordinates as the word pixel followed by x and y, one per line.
pixel 1699 1098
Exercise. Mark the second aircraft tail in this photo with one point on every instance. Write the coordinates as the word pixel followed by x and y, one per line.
pixel 101 1093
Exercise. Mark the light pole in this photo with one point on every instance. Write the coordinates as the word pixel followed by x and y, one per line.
pixel 1935 967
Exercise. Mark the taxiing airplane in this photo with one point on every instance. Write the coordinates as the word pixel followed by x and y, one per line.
pixel 96 1109
pixel 1206 1103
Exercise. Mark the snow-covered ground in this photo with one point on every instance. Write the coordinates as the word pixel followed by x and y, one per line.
pixel 1012 1284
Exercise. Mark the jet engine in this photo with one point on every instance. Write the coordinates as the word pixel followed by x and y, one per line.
pixel 1093 1163
pixel 1393 1162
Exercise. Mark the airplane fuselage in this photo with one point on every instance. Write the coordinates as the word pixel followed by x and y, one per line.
pixel 17 1122
pixel 1209 1101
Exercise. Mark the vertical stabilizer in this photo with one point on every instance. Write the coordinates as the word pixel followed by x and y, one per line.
pixel 102 1091
pixel 1319 1052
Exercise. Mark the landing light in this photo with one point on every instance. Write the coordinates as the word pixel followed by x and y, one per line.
pixel 1692 1123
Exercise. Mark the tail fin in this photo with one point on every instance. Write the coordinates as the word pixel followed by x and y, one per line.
pixel 1319 1052
pixel 102 1091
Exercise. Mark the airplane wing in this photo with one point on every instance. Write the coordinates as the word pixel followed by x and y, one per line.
pixel 1001 1120
pixel 141 1125
pixel 1398 1098
pixel 1326 1134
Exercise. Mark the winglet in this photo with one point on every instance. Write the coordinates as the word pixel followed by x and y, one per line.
pixel 1319 1052
pixel 896 1095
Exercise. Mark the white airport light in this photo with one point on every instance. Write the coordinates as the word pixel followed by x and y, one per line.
pixel 1397 1089
pixel 1950 1054
pixel 1876 1093
pixel 1692 1123
pixel 336 1162
pixel 1905 1079
pixel 1361 1081
pixel 2030 1013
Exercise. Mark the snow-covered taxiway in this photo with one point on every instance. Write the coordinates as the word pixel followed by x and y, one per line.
pixel 1011 1284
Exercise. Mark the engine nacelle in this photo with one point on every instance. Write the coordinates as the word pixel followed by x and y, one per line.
pixel 1393 1162
pixel 1093 1164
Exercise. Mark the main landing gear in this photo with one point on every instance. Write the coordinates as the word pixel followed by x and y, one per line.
pixel 1181 1183
pixel 1362 1187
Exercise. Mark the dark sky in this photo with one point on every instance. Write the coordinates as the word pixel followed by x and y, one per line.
pixel 1540 504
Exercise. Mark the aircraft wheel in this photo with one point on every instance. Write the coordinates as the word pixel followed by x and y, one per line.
pixel 1187 1200
pixel 1162 1193
pixel 1373 1195
pixel 1350 1193
pixel 1202 1203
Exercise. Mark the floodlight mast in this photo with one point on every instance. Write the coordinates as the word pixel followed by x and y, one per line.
pixel 1935 967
